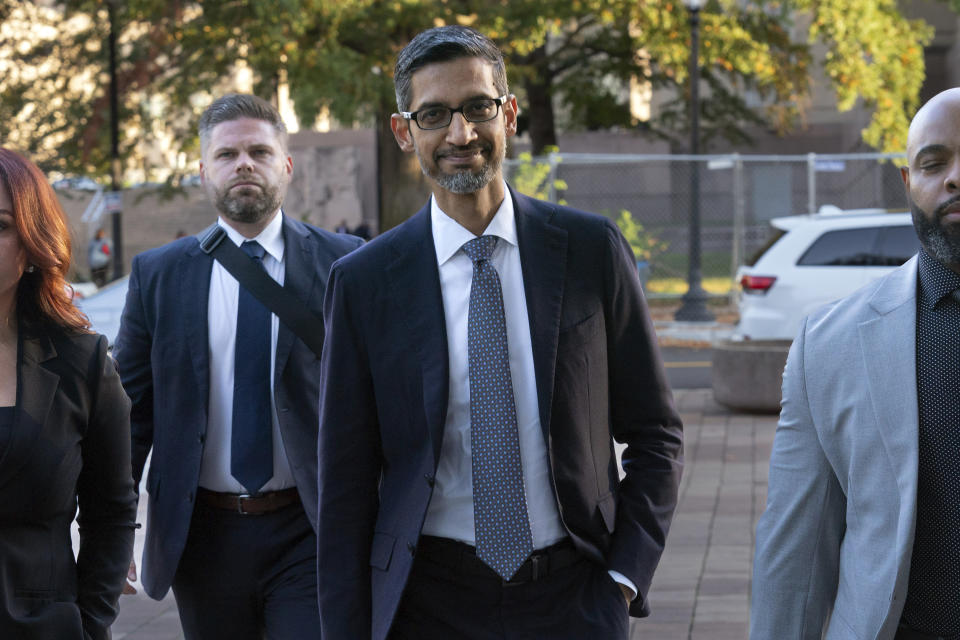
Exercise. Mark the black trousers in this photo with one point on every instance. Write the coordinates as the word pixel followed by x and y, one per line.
pixel 441 602
pixel 245 577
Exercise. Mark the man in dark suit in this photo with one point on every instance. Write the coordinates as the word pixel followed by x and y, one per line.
pixel 227 397
pixel 481 359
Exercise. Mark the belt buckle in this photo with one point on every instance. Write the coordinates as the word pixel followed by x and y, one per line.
pixel 537 571
pixel 240 499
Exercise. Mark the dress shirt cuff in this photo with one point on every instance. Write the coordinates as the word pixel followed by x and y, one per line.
pixel 619 578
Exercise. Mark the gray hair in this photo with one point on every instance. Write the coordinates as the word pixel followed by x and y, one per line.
pixel 235 106
pixel 442 44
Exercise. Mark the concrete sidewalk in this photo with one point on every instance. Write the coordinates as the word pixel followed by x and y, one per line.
pixel 701 590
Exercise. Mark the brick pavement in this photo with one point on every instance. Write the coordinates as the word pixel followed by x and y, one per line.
pixel 701 590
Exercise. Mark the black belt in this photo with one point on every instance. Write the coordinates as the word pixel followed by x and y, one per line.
pixel 463 558
pixel 246 504
pixel 906 633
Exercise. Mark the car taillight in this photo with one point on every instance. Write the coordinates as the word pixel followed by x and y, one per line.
pixel 756 284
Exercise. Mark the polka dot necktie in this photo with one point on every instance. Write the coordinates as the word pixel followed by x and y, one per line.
pixel 500 508
pixel 251 440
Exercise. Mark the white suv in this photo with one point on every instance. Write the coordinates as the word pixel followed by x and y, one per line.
pixel 814 259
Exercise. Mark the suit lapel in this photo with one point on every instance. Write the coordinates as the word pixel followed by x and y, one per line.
pixel 193 270
pixel 36 394
pixel 543 260
pixel 888 344
pixel 415 283
pixel 300 276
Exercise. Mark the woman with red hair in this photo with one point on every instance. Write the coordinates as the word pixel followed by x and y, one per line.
pixel 64 432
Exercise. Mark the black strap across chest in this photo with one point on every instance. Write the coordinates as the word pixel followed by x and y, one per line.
pixel 291 311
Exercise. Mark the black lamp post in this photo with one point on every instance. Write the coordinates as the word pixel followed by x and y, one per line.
pixel 115 177
pixel 694 307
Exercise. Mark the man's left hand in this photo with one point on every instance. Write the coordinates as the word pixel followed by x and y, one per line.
pixel 627 592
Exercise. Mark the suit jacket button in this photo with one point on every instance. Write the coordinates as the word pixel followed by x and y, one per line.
pixel 429 478
pixel 412 548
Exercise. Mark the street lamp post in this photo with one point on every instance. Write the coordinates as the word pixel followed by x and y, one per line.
pixel 114 200
pixel 694 306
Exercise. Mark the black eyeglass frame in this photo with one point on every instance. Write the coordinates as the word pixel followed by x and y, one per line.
pixel 412 115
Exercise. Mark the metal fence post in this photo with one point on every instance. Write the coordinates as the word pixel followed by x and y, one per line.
pixel 739 214
pixel 811 183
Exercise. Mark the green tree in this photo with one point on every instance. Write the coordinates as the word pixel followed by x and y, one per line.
pixel 876 56
pixel 345 63
pixel 339 55
pixel 754 49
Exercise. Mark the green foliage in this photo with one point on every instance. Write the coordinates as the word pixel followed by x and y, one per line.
pixel 749 52
pixel 645 244
pixel 532 176
pixel 874 55
pixel 338 56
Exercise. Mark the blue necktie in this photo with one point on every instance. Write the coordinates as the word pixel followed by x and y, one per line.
pixel 499 505
pixel 251 458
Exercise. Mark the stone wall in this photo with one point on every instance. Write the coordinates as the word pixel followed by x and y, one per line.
pixel 148 221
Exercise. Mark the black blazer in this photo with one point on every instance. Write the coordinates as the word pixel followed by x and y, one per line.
pixel 385 370
pixel 163 354
pixel 70 443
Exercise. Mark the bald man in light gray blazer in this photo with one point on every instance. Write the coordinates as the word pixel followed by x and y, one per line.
pixel 838 529
pixel 865 443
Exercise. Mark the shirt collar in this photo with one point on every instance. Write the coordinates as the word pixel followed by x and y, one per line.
pixel 449 235
pixel 936 280
pixel 271 238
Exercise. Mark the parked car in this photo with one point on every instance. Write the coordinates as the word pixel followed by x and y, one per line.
pixel 813 259
pixel 78 183
pixel 105 307
pixel 83 289
pixel 149 184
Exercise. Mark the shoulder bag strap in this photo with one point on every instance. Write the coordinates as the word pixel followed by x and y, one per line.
pixel 305 324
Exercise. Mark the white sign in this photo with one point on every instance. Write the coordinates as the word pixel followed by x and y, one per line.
pixel 830 166
pixel 716 165
pixel 113 201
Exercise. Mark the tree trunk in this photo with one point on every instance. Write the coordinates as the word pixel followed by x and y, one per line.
pixel 403 189
pixel 540 98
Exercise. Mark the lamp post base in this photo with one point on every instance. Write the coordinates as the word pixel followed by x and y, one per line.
pixel 694 307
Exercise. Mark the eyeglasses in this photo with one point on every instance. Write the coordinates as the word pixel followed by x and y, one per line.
pixel 438 116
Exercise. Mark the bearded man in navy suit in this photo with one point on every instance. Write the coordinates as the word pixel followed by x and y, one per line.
pixel 481 360
pixel 226 396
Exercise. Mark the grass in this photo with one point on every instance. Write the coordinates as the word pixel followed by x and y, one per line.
pixel 678 286
pixel 712 264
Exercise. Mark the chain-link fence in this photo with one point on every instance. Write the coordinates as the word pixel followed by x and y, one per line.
pixel 738 195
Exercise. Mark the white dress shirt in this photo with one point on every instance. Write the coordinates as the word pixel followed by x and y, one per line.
pixel 222 334
pixel 450 514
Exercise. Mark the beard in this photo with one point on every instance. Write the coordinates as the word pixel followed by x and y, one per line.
pixel 941 241
pixel 465 181
pixel 249 205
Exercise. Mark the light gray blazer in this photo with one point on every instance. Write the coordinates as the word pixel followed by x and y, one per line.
pixel 837 534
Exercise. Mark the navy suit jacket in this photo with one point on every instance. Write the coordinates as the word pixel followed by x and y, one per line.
pixel 162 351
pixel 384 400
